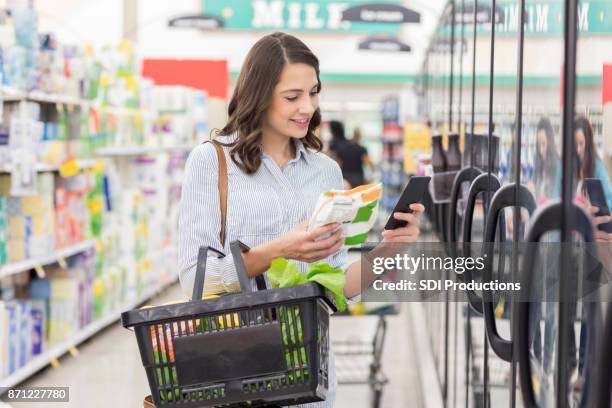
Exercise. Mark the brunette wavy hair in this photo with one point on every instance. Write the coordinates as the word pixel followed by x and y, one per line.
pixel 586 167
pixel 252 96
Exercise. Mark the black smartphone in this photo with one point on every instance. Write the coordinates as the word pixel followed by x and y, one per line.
pixel 413 193
pixel 595 193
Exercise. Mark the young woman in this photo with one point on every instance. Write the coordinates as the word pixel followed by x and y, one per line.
pixel 275 176
pixel 589 163
pixel 547 176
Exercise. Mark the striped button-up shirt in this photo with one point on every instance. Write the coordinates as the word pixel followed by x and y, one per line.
pixel 260 207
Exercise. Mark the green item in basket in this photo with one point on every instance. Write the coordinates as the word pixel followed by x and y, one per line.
pixel 283 273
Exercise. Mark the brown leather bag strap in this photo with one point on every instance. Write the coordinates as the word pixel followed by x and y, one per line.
pixel 222 189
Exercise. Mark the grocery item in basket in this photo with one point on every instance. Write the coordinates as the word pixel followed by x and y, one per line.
pixel 283 273
pixel 162 342
pixel 354 209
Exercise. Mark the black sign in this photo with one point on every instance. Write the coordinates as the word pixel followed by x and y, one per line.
pixel 387 44
pixel 381 13
pixel 443 45
pixel 201 21
pixel 483 14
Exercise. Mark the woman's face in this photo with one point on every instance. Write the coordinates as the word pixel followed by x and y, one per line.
pixel 294 101
pixel 542 143
pixel 580 144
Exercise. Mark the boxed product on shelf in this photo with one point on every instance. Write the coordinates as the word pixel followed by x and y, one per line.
pixel 25 332
pixel 3 340
pixel 12 341
pixel 38 313
pixel 30 222
pixel 3 231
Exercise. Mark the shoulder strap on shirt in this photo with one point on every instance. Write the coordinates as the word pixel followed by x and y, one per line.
pixel 222 189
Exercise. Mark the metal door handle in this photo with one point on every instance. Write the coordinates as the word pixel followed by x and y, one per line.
pixel 466 174
pixel 546 218
pixel 481 184
pixel 503 198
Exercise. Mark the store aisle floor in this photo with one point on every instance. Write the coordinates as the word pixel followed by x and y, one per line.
pixel 108 370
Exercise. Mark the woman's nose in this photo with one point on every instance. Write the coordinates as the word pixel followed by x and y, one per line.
pixel 307 106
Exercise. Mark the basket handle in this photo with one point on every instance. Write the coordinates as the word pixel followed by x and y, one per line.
pixel 198 283
pixel 237 248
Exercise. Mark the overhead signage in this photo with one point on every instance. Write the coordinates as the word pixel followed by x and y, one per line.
pixel 443 46
pixel 381 13
pixel 201 21
pixel 483 14
pixel 384 44
pixel 542 17
pixel 295 15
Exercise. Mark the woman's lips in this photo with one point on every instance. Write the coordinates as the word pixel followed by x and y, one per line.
pixel 301 123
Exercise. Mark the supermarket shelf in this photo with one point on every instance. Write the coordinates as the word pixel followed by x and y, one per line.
pixel 139 150
pixel 22 266
pixel 43 167
pixel 11 94
pixel 58 350
pixel 38 96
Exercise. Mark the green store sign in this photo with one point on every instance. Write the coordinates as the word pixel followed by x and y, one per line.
pixel 293 15
pixel 544 17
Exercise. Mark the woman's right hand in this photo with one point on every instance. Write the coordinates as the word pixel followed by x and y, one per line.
pixel 302 245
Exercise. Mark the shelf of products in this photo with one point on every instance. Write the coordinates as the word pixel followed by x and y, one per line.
pixel 44 167
pixel 92 157
pixel 26 265
pixel 91 329
pixel 139 150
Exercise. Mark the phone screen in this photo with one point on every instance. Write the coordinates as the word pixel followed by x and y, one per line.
pixel 413 193
pixel 595 193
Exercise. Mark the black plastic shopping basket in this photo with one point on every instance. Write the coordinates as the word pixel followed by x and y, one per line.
pixel 245 349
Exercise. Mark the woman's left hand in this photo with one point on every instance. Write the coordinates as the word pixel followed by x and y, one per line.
pixel 409 233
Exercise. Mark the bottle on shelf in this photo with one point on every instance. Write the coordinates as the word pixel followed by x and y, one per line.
pixel 453 154
pixel 438 157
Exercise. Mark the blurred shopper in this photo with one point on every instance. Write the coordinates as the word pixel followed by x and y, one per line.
pixel 547 176
pixel 546 186
pixel 589 163
pixel 350 156
pixel 276 174
pixel 365 157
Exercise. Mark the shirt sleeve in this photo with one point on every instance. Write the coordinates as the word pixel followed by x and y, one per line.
pixel 199 224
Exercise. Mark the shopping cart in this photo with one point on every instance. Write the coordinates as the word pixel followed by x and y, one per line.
pixel 358 361
pixel 249 349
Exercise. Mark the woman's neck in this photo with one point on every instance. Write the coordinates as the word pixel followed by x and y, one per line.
pixel 281 149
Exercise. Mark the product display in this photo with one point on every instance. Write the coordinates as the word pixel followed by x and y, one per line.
pixel 87 223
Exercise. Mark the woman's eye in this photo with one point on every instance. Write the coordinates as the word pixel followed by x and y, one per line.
pixel 291 98
pixel 314 93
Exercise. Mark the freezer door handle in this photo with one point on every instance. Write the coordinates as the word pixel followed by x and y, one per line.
pixel 464 175
pixel 546 218
pixel 481 184
pixel 504 197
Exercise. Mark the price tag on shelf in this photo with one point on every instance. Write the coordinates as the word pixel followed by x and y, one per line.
pixel 74 352
pixel 40 271
pixel 70 107
pixel 59 106
pixel 69 168
pixel 99 245
pixel 54 362
pixel 62 263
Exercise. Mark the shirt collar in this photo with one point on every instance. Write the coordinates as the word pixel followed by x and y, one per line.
pixel 300 150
